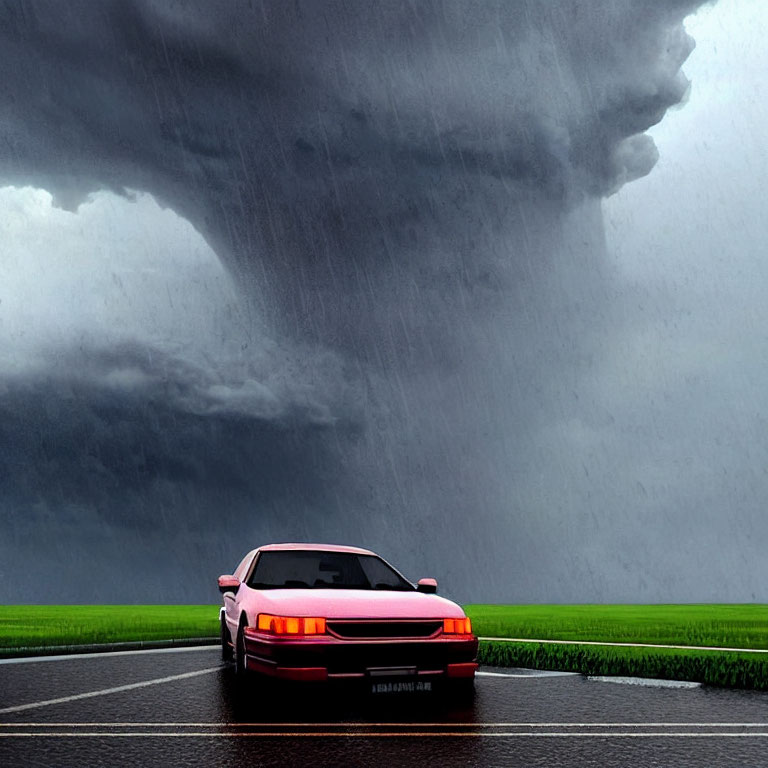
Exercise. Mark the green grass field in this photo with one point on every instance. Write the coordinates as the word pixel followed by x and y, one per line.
pixel 738 626
pixel 724 670
pixel 733 626
pixel 43 625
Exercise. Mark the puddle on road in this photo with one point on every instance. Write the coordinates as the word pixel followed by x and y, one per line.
pixel 518 672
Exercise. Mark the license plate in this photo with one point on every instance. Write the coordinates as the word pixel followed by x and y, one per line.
pixel 401 686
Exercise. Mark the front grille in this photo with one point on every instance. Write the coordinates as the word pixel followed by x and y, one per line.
pixel 358 655
pixel 420 654
pixel 383 629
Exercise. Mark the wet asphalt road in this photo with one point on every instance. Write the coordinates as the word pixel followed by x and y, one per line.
pixel 199 716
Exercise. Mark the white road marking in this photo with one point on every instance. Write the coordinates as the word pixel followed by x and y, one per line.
pixel 648 682
pixel 106 691
pixel 106 654
pixel 532 674
pixel 385 734
pixel 70 656
pixel 360 725
pixel 625 645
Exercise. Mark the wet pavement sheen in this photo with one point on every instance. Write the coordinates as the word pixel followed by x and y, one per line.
pixel 211 720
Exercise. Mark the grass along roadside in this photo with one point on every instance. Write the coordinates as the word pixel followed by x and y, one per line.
pixel 740 626
pixel 715 668
pixel 55 625
pixel 722 625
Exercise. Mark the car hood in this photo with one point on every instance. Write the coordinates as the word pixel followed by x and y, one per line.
pixel 353 604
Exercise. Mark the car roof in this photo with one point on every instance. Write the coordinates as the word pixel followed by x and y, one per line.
pixel 318 547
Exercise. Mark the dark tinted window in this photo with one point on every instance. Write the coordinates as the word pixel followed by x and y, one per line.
pixel 303 569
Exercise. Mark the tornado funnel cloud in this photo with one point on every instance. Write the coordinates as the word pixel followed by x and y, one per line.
pixel 406 198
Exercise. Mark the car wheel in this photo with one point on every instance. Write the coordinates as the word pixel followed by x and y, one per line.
pixel 227 653
pixel 240 666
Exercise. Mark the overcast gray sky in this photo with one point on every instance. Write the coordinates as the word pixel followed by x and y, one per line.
pixel 688 246
pixel 502 402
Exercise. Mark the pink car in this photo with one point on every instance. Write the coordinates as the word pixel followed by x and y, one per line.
pixel 323 612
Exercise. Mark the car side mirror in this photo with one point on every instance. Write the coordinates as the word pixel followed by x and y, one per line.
pixel 427 585
pixel 228 583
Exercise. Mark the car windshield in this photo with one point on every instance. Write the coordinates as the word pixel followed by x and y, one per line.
pixel 312 569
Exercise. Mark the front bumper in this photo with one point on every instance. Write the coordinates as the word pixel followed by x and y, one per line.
pixel 330 658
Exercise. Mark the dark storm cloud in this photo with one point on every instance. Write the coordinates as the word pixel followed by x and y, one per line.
pixel 391 181
pixel 127 483
pixel 224 387
pixel 321 104
pixel 314 143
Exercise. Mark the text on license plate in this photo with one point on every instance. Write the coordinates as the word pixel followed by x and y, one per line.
pixel 401 686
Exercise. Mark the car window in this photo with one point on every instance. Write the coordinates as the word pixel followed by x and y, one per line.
pixel 308 569
pixel 380 575
pixel 242 569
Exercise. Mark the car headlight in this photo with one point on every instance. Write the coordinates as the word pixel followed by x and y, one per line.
pixel 457 626
pixel 290 625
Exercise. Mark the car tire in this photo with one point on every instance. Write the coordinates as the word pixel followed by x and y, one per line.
pixel 227 652
pixel 240 666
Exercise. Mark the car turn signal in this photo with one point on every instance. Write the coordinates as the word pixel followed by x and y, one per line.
pixel 457 626
pixel 290 625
